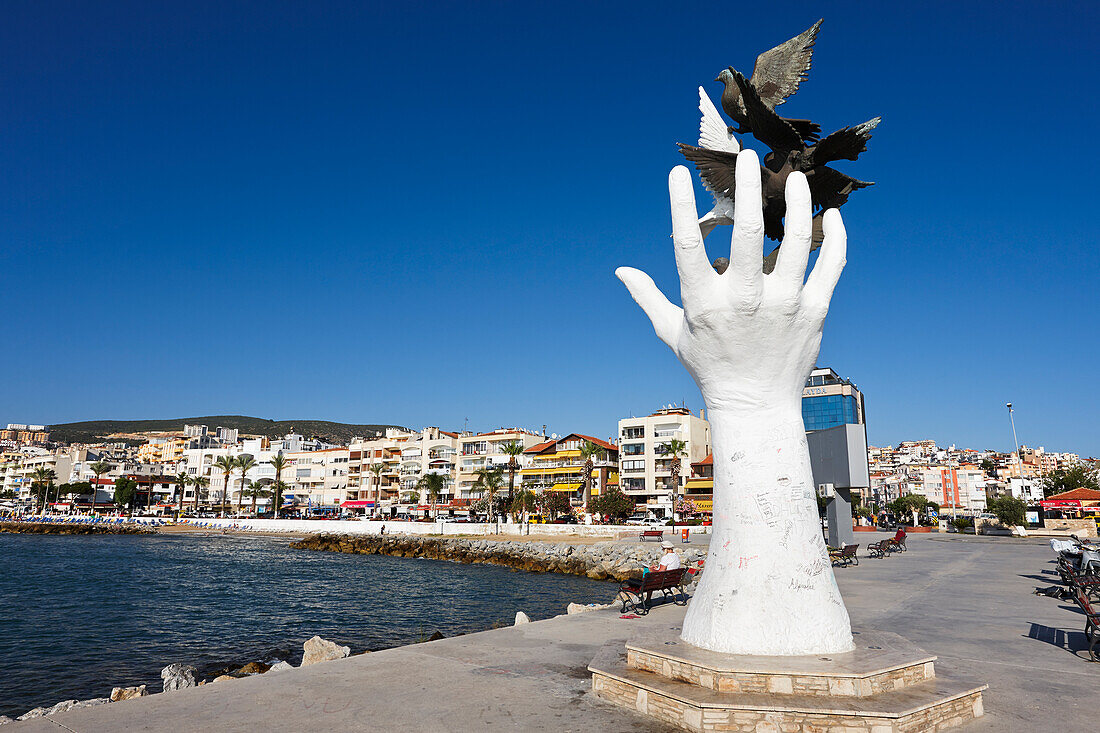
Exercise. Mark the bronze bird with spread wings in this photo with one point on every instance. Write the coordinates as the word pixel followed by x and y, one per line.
pixel 775 77
pixel 829 188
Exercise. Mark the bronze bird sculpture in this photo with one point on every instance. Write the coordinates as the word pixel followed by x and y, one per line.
pixel 775 76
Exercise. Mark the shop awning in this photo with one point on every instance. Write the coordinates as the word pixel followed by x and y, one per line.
pixel 358 504
pixel 565 487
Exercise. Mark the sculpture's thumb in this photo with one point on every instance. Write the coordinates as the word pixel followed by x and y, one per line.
pixel 665 317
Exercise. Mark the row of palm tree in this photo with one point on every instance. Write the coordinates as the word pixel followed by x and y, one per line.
pixel 227 465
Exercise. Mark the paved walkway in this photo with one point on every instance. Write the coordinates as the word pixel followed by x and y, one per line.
pixel 966 599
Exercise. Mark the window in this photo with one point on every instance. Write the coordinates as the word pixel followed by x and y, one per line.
pixel 633 449
pixel 634 465
pixel 634 433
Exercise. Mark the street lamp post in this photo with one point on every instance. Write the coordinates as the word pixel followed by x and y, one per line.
pixel 1016 442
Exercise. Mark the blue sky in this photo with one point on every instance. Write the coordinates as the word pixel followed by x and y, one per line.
pixel 411 212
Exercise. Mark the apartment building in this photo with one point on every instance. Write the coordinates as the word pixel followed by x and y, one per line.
pixel 557 465
pixel 644 467
pixel 18 433
pixel 486 450
pixel 370 490
pixel 954 488
pixel 317 478
pixel 432 451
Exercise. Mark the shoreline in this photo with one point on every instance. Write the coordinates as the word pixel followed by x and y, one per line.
pixel 597 561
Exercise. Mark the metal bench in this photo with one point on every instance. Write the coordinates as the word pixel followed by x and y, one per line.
pixel 657 534
pixel 635 593
pixel 845 556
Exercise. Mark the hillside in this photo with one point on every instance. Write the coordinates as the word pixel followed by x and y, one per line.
pixel 91 431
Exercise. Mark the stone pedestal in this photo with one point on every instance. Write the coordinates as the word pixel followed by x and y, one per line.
pixel 886 685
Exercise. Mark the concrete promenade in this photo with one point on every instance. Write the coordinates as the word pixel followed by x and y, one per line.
pixel 966 599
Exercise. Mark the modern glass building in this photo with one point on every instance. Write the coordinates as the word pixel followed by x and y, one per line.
pixel 829 400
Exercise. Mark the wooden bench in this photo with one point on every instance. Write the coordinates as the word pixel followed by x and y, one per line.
pixel 879 549
pixel 635 593
pixel 657 534
pixel 845 556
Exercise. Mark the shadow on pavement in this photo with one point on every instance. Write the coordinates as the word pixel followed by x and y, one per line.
pixel 1070 641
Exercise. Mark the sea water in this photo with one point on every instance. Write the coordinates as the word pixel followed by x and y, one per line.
pixel 82 614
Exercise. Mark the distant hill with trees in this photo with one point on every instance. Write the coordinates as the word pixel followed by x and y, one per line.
pixel 93 431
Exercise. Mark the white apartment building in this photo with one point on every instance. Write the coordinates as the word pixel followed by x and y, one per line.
pixel 486 450
pixel 431 451
pixel 370 491
pixel 317 478
pixel 644 469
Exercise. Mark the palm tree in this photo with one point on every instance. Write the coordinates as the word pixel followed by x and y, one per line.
pixel 43 479
pixel 489 481
pixel 181 480
pixel 245 463
pixel 512 449
pixel 278 462
pixel 675 449
pixel 433 484
pixel 98 468
pixel 377 469
pixel 589 452
pixel 227 466
pixel 200 483
pixel 257 492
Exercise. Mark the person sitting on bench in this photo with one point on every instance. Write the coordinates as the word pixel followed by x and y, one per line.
pixel 670 560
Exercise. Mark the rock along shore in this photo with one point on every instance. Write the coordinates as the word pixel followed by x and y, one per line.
pixel 63 528
pixel 599 561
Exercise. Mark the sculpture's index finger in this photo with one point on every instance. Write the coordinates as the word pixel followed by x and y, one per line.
pixel 691 255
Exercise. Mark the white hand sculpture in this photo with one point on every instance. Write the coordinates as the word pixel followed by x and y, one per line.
pixel 750 341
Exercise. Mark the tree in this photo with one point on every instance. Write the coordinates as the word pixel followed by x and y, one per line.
pixel 612 502
pixel 42 479
pixel 432 484
pixel 909 504
pixel 489 481
pixel 125 492
pixel 278 462
pixel 376 470
pixel 675 449
pixel 553 503
pixel 513 449
pixel 589 452
pixel 1067 479
pixel 98 468
pixel 256 491
pixel 200 483
pixel 180 480
pixel 525 501
pixel 1010 511
pixel 245 463
pixel 78 488
pixel 685 507
pixel 227 465
pixel 989 466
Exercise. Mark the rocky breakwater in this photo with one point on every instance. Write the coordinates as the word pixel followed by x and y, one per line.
pixel 599 561
pixel 65 528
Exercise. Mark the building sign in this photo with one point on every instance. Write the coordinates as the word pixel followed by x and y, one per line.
pixel 1060 504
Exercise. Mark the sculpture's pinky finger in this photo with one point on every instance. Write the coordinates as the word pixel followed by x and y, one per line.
pixel 665 317
pixel 830 263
